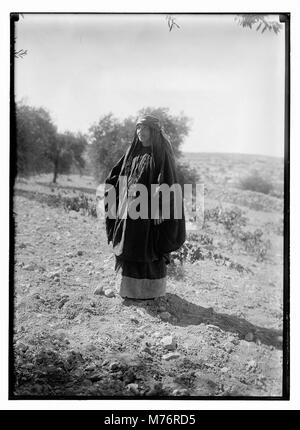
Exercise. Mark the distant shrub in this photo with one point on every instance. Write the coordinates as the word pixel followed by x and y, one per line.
pixel 198 246
pixel 254 243
pixel 193 251
pixel 234 221
pixel 80 203
pixel 230 218
pixel 186 173
pixel 201 238
pixel 255 182
pixel 275 227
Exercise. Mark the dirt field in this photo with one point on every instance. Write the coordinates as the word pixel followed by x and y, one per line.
pixel 218 331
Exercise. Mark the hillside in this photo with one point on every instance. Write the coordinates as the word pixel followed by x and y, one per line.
pixel 218 331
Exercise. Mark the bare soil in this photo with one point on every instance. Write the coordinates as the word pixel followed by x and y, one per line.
pixel 225 324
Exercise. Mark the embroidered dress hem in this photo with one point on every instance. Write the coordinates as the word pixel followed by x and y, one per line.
pixel 134 288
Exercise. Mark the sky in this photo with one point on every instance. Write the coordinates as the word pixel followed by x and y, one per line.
pixel 227 79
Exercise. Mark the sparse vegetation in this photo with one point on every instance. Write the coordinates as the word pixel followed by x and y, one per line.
pixel 220 302
pixel 81 203
pixel 234 221
pixel 200 247
pixel 255 182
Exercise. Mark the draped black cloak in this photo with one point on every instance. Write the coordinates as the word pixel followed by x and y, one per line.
pixel 140 240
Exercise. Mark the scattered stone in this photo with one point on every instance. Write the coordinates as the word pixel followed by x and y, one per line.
pixel 165 316
pixel 54 274
pixel 99 290
pixel 22 346
pixel 69 268
pixel 69 255
pixel 251 365
pixel 169 343
pixel 214 327
pixel 61 334
pixel 155 390
pixel 29 366
pixel 134 319
pixel 109 293
pixel 141 312
pixel 133 388
pixel 234 340
pixel 62 302
pixel 157 334
pixel 95 377
pixel 180 392
pixel 29 267
pixel 228 347
pixel 146 349
pixel 79 252
pixel 249 337
pixel 171 356
pixel 114 366
pixel 261 377
pixel 225 369
pixel 21 264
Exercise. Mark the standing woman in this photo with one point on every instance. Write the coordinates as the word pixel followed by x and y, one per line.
pixel 142 246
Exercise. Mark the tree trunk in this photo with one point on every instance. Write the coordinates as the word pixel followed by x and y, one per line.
pixel 55 173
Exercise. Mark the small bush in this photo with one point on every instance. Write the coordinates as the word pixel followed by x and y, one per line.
pixel 231 219
pixel 234 221
pixel 195 249
pixel 203 239
pixel 255 182
pixel 80 203
pixel 186 173
pixel 254 243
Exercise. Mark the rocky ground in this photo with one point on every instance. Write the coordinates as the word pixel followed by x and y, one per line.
pixel 217 332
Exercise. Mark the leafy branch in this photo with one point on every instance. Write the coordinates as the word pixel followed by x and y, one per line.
pixel 21 53
pixel 259 21
pixel 171 22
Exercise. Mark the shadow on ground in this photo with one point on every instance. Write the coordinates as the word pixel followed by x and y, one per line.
pixel 185 313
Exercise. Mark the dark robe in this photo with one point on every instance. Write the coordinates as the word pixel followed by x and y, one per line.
pixel 142 248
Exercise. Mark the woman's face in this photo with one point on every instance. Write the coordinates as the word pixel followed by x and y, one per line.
pixel 143 132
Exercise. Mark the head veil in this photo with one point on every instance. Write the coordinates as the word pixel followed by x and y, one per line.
pixel 160 147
